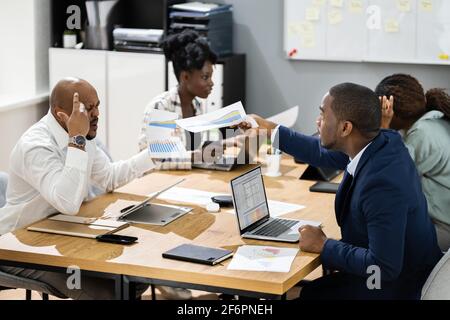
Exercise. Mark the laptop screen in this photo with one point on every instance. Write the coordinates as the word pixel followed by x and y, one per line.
pixel 249 196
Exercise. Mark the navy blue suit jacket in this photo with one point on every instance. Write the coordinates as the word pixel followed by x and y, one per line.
pixel 383 213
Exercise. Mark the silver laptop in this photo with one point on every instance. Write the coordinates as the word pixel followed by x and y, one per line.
pixel 154 214
pixel 252 211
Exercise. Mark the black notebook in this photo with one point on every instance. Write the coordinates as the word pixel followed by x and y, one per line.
pixel 198 254
pixel 325 187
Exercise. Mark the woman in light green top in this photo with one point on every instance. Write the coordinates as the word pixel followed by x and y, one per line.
pixel 424 120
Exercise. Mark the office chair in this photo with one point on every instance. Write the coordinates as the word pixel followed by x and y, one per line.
pixel 437 286
pixel 8 281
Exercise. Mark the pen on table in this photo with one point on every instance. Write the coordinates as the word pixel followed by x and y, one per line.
pixel 127 208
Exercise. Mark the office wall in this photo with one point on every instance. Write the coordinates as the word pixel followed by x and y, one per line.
pixel 274 83
pixel 25 38
pixel 15 33
pixel 42 41
pixel 13 124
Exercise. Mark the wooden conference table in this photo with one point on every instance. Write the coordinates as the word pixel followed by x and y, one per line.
pixel 143 262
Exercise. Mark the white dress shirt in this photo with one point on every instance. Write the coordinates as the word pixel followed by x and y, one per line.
pixel 353 164
pixel 46 176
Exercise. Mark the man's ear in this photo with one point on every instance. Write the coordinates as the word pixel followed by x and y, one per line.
pixel 346 129
pixel 61 116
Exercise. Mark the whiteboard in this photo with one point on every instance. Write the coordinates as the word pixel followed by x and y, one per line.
pixel 397 31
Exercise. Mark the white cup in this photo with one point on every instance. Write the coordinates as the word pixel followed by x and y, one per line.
pixel 273 165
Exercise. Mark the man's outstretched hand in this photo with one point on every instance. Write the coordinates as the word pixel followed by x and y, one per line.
pixel 265 126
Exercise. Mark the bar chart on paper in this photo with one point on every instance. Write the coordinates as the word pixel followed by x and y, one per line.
pixel 163 124
pixel 167 148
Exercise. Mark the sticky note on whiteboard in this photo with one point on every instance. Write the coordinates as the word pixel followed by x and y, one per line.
pixel 294 29
pixel 312 14
pixel 305 27
pixel 337 3
pixel 335 17
pixel 391 26
pixel 308 41
pixel 444 56
pixel 318 3
pixel 404 5
pixel 426 5
pixel 355 6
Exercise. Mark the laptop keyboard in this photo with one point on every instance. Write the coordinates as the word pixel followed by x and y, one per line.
pixel 275 228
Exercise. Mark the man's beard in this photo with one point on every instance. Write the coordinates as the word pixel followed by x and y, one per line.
pixel 93 122
pixel 329 146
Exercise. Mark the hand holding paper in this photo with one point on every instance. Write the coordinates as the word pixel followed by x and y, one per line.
pixel 225 117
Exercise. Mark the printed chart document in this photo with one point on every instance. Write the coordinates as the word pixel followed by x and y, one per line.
pixel 286 118
pixel 167 148
pixel 263 258
pixel 162 137
pixel 224 117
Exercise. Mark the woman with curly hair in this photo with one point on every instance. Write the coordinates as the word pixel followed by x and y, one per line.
pixel 193 62
pixel 424 120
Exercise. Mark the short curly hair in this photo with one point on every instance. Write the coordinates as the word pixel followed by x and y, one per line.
pixel 410 100
pixel 188 51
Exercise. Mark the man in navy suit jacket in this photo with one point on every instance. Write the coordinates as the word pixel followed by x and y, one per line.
pixel 388 244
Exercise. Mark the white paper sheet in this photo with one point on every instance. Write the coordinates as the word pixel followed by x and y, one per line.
pixel 224 117
pixel 163 138
pixel 161 125
pixel 196 6
pixel 263 258
pixel 286 118
pixel 113 210
pixel 278 208
pixel 201 198
pixel 185 195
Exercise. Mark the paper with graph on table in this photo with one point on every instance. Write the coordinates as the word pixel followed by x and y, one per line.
pixel 263 258
pixel 224 117
pixel 162 136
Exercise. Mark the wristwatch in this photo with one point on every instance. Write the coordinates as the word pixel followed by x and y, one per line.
pixel 79 141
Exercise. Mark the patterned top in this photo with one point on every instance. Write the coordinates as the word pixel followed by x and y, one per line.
pixel 170 101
